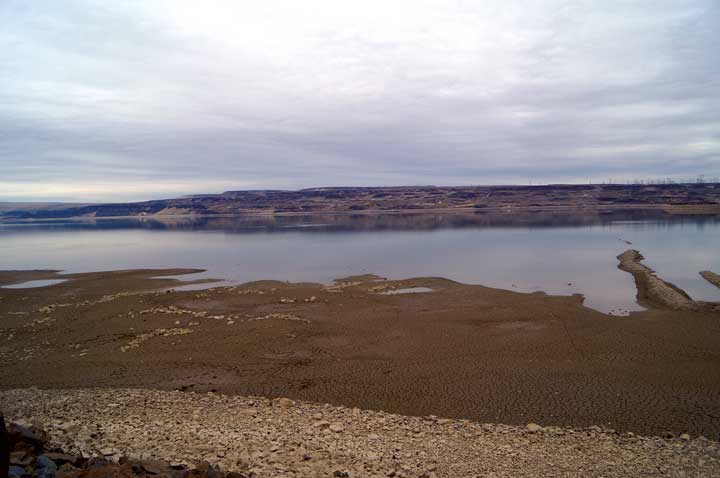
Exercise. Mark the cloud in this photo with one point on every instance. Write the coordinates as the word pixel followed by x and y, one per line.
pixel 187 97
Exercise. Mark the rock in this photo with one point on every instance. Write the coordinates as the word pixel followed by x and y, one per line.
pixel 28 433
pixel 66 470
pixel 62 458
pixel 337 427
pixel 45 467
pixel 533 427
pixel 283 402
pixel 341 474
pixel 20 458
pixel 46 473
pixel 685 437
pixel 152 467
pixel 16 471
pixel 43 462
pixel 68 427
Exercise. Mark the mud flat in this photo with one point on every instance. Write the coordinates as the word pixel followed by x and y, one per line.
pixel 458 351
pixel 260 437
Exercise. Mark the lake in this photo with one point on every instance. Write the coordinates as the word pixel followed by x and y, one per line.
pixel 559 253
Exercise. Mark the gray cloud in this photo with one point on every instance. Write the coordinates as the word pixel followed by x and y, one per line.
pixel 102 101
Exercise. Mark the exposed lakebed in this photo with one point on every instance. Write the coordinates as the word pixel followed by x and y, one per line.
pixel 558 253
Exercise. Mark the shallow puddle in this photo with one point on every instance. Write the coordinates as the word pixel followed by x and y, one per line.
pixel 34 283
pixel 408 290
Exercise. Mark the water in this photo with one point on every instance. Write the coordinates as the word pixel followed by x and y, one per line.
pixel 409 290
pixel 551 252
pixel 33 283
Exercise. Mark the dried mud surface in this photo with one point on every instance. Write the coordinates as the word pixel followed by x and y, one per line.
pixel 460 351
pixel 258 437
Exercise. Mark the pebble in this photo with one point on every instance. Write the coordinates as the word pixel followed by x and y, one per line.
pixel 252 436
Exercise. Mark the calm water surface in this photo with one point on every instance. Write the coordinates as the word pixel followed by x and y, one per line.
pixel 555 253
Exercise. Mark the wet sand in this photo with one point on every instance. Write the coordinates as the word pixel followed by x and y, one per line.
pixel 460 351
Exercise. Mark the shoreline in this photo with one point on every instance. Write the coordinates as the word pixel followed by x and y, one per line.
pixel 668 209
pixel 479 353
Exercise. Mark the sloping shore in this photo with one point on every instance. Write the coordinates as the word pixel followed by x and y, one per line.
pixel 283 438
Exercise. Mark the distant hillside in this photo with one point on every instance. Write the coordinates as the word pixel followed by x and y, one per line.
pixel 26 206
pixel 344 199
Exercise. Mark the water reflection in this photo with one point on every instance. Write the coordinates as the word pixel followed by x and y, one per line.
pixel 560 253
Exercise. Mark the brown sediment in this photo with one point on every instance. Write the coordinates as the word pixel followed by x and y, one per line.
pixel 711 277
pixel 652 291
pixel 461 351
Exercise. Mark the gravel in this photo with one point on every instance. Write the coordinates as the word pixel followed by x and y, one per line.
pixel 285 438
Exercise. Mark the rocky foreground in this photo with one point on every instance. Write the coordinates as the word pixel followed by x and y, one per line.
pixel 182 434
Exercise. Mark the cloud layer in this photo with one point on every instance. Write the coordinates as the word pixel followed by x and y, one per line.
pixel 142 99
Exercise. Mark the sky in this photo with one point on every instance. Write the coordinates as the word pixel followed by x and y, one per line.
pixel 132 100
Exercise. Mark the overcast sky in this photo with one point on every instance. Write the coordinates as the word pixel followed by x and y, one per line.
pixel 110 101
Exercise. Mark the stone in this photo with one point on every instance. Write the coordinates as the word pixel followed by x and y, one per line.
pixel 16 471
pixel 283 402
pixel 66 470
pixel 62 458
pixel 20 458
pixel 44 462
pixel 152 467
pixel 46 473
pixel 337 427
pixel 685 437
pixel 28 433
pixel 533 427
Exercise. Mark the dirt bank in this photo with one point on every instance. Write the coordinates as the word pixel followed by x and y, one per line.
pixel 288 438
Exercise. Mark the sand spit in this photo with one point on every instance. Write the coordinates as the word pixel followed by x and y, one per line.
pixel 652 290
pixel 711 277
pixel 286 438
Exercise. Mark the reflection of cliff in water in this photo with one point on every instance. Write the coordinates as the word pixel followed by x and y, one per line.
pixel 650 219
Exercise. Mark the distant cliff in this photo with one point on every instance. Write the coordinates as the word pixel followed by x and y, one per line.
pixel 704 197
